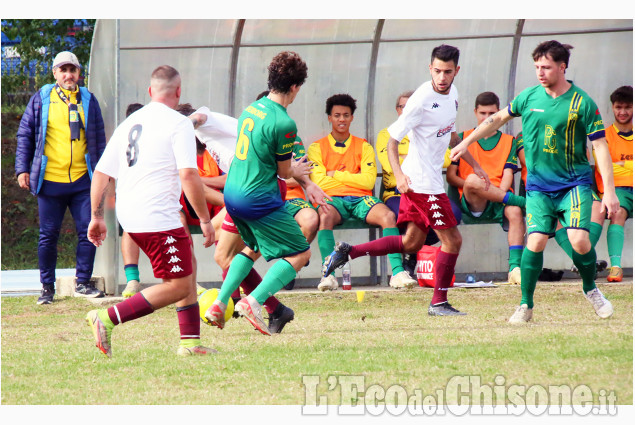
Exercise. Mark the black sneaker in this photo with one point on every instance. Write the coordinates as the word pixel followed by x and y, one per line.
pixel 87 290
pixel 600 266
pixel 410 265
pixel 336 259
pixel 280 317
pixel 444 309
pixel 235 314
pixel 48 291
pixel 289 286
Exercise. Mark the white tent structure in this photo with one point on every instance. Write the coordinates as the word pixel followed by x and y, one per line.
pixel 223 66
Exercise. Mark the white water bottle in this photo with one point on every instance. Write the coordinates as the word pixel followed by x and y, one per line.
pixel 346 277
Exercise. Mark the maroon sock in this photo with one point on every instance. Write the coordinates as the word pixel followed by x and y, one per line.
pixel 443 272
pixel 250 283
pixel 189 321
pixel 130 309
pixel 236 293
pixel 381 246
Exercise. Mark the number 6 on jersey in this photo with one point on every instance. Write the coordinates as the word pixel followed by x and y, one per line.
pixel 242 146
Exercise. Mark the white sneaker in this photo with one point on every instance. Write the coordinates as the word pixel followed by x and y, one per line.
pixel 523 314
pixel 601 305
pixel 513 278
pixel 402 280
pixel 131 288
pixel 328 283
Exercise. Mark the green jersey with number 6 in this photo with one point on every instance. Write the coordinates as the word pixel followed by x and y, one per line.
pixel 555 135
pixel 265 137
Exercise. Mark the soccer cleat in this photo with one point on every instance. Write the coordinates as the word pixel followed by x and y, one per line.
pixel 600 266
pixel 87 290
pixel 601 305
pixel 280 317
pixel 200 289
pixel 523 314
pixel 328 283
pixel 402 280
pixel 101 332
pixel 444 309
pixel 615 274
pixel 513 277
pixel 131 288
pixel 199 350
pixel 235 314
pixel 410 264
pixel 336 259
pixel 289 286
pixel 216 314
pixel 251 310
pixel 48 292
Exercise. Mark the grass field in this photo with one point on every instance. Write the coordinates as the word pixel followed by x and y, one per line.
pixel 48 355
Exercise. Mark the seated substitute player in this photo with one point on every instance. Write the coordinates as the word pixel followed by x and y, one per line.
pixel 620 139
pixel 429 117
pixel 557 118
pixel 153 149
pixel 252 196
pixel 496 153
pixel 344 167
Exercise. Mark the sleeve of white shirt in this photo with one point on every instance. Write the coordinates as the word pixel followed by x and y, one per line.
pixel 217 127
pixel 109 161
pixel 184 145
pixel 410 118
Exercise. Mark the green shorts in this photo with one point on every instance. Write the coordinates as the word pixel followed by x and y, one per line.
pixel 275 235
pixel 493 213
pixel 624 195
pixel 572 207
pixel 295 205
pixel 356 207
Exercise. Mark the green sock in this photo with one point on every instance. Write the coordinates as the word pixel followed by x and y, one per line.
pixel 594 233
pixel 615 242
pixel 132 272
pixel 515 200
pixel 515 255
pixel 190 343
pixel 239 268
pixel 277 276
pixel 586 266
pixel 326 242
pixel 563 240
pixel 394 259
pixel 103 315
pixel 530 268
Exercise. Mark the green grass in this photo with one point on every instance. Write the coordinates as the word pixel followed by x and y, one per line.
pixel 48 355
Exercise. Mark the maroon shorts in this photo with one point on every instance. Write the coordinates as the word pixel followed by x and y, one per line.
pixel 426 211
pixel 169 252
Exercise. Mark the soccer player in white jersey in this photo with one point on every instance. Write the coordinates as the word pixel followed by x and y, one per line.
pixel 429 121
pixel 151 155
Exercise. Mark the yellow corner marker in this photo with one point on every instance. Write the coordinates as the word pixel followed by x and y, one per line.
pixel 360 296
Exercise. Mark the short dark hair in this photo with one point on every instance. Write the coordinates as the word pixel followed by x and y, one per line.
pixel 285 70
pixel 445 53
pixel 341 99
pixel 132 108
pixel 559 52
pixel 487 98
pixel 405 94
pixel 187 110
pixel 622 94
pixel 165 72
pixel 263 94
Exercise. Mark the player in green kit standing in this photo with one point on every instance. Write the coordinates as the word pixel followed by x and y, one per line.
pixel 264 148
pixel 557 118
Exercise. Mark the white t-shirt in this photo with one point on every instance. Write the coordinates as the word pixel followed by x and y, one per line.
pixel 219 135
pixel 428 119
pixel 145 154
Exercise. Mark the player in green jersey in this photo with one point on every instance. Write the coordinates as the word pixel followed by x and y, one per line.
pixel 557 118
pixel 266 135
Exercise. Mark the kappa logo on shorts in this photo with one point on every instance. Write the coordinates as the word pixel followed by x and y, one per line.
pixel 169 240
pixel 174 259
pixel 171 250
pixel 439 223
pixel 432 198
pixel 437 214
pixel 176 269
pixel 435 207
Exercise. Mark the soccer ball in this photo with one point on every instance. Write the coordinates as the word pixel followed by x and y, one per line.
pixel 205 301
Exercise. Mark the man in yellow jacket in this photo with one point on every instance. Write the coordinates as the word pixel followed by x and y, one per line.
pixel 344 167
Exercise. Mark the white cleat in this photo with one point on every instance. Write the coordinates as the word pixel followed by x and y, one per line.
pixel 513 278
pixel 601 305
pixel 402 280
pixel 523 314
pixel 328 283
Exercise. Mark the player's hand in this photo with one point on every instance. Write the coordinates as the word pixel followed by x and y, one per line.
pixel 198 119
pixel 610 204
pixel 301 167
pixel 23 181
pixel 457 152
pixel 316 195
pixel 482 175
pixel 403 183
pixel 97 231
pixel 208 234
